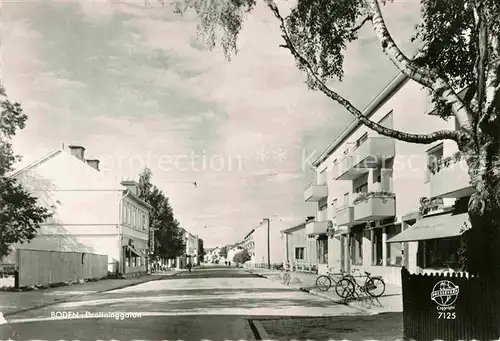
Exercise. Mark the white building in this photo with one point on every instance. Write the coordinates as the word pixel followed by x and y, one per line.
pixel 268 243
pixel 369 187
pixel 93 212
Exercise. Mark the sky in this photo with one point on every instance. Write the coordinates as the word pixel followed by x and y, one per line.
pixel 130 82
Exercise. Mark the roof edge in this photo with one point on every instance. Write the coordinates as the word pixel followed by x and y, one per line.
pixel 36 163
pixel 395 84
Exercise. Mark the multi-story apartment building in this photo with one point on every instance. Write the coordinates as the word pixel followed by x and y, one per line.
pixel 93 212
pixel 368 187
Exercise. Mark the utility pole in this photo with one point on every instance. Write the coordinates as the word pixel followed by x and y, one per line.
pixel 268 242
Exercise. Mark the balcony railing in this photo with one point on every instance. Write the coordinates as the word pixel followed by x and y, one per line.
pixel 450 178
pixel 316 227
pixel 315 192
pixel 373 153
pixel 345 216
pixel 374 206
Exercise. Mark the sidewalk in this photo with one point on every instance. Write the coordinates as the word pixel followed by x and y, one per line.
pixel 15 302
pixel 390 301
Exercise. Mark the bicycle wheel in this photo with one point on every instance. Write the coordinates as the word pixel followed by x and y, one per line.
pixel 323 283
pixel 345 288
pixel 375 287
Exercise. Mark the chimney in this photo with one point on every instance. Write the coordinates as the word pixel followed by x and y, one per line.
pixel 131 185
pixel 310 218
pixel 77 151
pixel 94 163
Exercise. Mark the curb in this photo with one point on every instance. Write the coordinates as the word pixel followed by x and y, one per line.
pixel 70 297
pixel 261 333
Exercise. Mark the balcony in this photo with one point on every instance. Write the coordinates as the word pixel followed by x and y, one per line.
pixel 371 154
pixel 345 216
pixel 450 180
pixel 374 206
pixel 316 227
pixel 315 192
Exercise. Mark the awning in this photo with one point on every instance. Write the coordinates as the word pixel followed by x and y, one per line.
pixel 137 253
pixel 436 227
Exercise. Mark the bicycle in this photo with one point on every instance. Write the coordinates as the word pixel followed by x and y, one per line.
pixel 324 282
pixel 347 286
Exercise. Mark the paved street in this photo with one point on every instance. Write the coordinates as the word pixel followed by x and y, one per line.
pixel 210 303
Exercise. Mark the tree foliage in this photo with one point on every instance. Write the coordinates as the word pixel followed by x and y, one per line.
pixel 20 212
pixel 169 239
pixel 201 249
pixel 242 257
pixel 460 47
pixel 223 251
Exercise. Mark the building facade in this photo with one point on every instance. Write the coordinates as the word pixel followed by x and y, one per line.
pixel 248 244
pixel 269 244
pixel 191 243
pixel 369 187
pixel 93 212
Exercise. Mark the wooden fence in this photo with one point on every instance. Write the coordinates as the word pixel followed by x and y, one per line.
pixel 449 307
pixel 37 267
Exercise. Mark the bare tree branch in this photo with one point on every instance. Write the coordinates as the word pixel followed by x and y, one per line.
pixel 426 77
pixel 366 18
pixel 399 135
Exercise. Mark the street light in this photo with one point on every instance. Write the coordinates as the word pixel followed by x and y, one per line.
pixel 268 242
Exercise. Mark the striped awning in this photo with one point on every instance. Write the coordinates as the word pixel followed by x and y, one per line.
pixel 435 227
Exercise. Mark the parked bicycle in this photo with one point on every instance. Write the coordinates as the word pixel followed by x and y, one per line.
pixel 325 282
pixel 348 286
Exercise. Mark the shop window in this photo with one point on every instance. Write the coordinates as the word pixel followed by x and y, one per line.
pixel 299 253
pixel 322 249
pixel 357 248
pixel 377 247
pixel 394 250
pixel 442 253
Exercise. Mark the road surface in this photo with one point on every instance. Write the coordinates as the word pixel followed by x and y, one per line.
pixel 213 303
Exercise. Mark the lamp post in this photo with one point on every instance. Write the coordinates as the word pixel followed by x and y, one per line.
pixel 268 242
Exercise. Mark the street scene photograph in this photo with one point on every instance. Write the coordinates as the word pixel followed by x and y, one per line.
pixel 250 170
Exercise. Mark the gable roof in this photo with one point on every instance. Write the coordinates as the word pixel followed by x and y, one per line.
pixel 37 162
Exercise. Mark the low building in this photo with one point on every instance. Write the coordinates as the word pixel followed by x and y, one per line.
pixel 269 244
pixel 93 212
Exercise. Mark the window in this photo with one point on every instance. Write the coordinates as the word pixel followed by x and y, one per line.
pixel 334 204
pixel 394 254
pixel 362 189
pixel 299 253
pixel 322 249
pixel 387 120
pixel 434 157
pixel 124 214
pixel 346 199
pixel 441 253
pixel 322 177
pixel 361 140
pixel 129 215
pixel 357 248
pixel 377 247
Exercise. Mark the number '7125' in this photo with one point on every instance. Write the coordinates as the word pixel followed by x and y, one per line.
pixel 447 316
